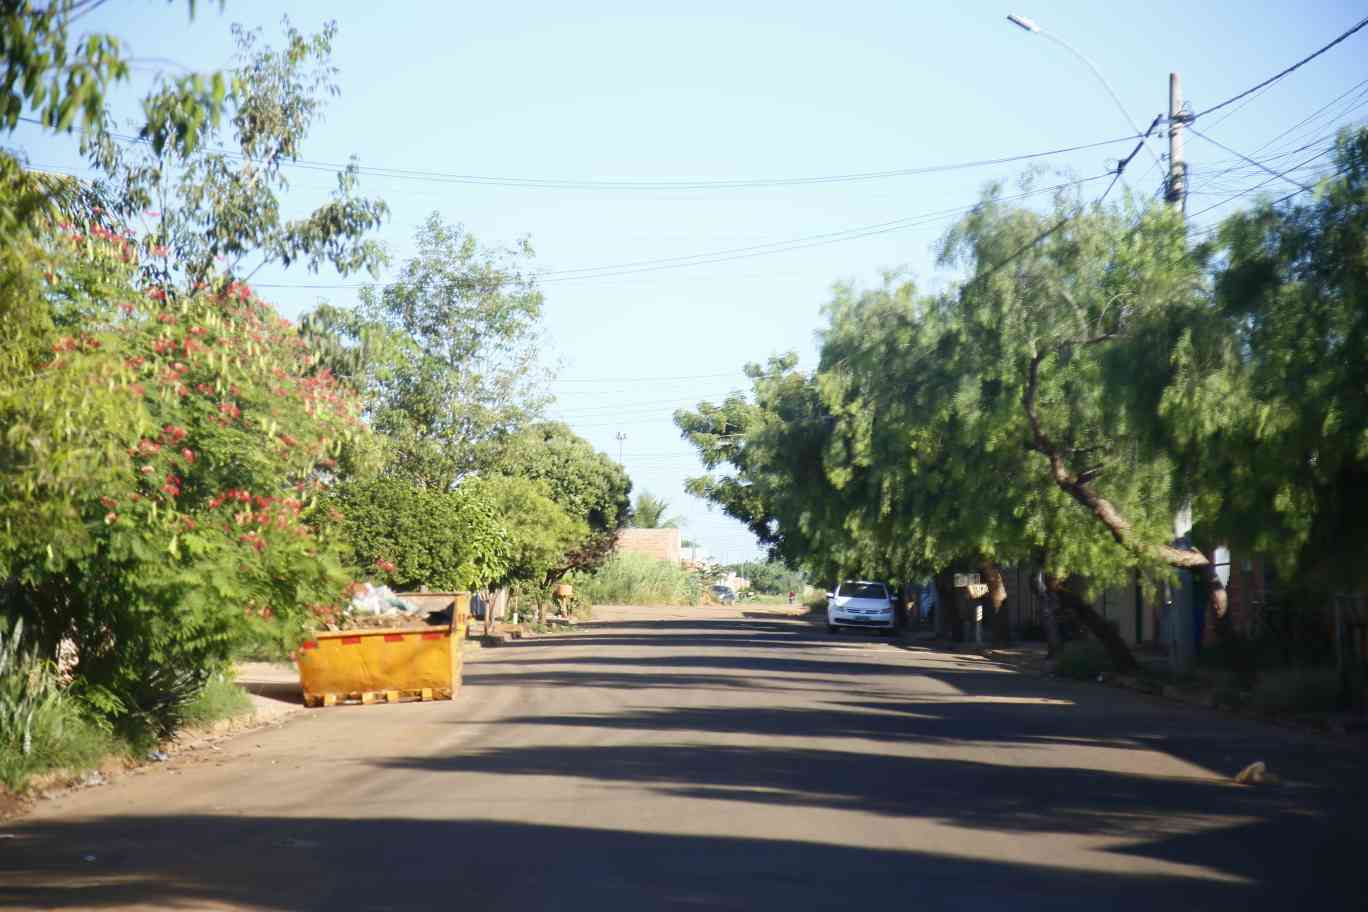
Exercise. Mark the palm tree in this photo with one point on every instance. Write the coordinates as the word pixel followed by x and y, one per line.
pixel 649 513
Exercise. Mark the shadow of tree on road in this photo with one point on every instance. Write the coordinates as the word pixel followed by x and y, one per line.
pixel 396 863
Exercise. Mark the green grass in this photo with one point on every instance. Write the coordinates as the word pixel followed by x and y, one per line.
pixel 62 739
pixel 42 727
pixel 65 734
pixel 221 699
pixel 764 599
pixel 636 579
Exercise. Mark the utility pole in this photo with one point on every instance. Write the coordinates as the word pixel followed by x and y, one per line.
pixel 1177 182
pixel 1181 598
pixel 620 437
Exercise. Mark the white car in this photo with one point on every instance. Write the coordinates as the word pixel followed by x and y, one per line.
pixel 860 603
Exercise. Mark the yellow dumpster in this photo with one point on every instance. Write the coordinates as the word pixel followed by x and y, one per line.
pixel 388 664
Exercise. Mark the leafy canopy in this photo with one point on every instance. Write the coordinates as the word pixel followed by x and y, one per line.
pixel 218 210
pixel 417 538
pixel 589 486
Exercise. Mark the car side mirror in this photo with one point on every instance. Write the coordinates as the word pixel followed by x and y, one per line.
pixel 831 595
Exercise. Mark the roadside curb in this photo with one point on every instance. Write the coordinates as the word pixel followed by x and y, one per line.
pixel 61 783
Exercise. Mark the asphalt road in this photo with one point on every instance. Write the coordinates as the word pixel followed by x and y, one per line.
pixel 687 759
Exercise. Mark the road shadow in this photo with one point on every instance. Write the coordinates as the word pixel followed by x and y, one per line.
pixel 285 692
pixel 317 863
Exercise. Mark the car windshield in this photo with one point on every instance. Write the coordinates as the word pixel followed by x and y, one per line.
pixel 862 590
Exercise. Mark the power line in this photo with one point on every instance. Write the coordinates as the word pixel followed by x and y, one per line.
pixel 1314 114
pixel 1282 174
pixel 1276 76
pixel 736 373
pixel 722 256
pixel 1246 192
pixel 653 183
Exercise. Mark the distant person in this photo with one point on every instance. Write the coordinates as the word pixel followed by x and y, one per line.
pixel 791 594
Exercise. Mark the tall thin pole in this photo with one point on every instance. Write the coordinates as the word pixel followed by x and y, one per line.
pixel 620 437
pixel 1177 182
pixel 1182 606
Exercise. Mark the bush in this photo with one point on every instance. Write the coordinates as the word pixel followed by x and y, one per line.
pixel 163 456
pixel 1082 659
pixel 41 726
pixel 635 579
pixel 1296 690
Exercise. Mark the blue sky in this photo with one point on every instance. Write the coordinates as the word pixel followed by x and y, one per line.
pixel 614 92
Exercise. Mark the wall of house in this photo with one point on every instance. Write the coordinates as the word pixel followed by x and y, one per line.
pixel 662 544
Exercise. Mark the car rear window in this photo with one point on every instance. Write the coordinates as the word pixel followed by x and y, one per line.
pixel 862 590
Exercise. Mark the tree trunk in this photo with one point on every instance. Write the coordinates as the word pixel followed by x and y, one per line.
pixel 1106 634
pixel 945 600
pixel 997 596
pixel 1049 613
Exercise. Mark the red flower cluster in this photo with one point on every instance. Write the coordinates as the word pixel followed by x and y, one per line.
pixel 230 409
pixel 233 495
pixel 384 566
pixel 172 486
pixel 69 344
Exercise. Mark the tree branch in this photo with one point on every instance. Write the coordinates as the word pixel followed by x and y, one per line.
pixel 1077 486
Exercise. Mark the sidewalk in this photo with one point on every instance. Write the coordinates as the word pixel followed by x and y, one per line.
pixel 1153 679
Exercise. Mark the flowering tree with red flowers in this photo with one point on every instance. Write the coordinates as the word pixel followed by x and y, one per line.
pixel 162 455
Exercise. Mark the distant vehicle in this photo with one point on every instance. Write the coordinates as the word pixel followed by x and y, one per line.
pixel 726 595
pixel 861 603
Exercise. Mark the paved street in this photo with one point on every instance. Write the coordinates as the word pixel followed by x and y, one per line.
pixel 720 759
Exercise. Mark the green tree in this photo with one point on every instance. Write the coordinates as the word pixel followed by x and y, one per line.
pixel 63 78
pixel 445 355
pixel 942 431
pixel 649 513
pixel 218 210
pixel 540 533
pixel 416 538
pixel 589 486
pixel 770 577
pixel 1267 405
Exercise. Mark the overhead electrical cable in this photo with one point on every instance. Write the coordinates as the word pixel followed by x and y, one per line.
pixel 1257 164
pixel 431 176
pixel 1276 76
pixel 720 256
pixel 1246 192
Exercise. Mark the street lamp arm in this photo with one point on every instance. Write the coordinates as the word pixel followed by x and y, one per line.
pixel 1030 26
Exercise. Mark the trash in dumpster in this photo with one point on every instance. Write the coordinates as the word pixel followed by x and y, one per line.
pixel 379 600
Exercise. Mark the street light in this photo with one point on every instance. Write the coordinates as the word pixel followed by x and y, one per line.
pixel 1029 25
